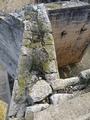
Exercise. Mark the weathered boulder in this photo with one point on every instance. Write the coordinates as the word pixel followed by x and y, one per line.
pixel 62 83
pixel 39 91
pixel 36 108
pixel 57 98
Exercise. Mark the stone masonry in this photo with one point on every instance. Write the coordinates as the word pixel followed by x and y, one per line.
pixel 37 63
pixel 37 83
pixel 70 25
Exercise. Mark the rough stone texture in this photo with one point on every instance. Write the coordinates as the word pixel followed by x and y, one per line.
pixel 35 108
pixel 39 91
pixel 68 110
pixel 12 5
pixel 16 109
pixel 3 110
pixel 52 76
pixel 63 83
pixel 85 77
pixel 84 117
pixel 5 94
pixel 36 61
pixel 57 98
pixel 70 30
pixel 11 35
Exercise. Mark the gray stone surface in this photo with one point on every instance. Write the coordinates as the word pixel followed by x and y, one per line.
pixel 37 56
pixel 13 106
pixel 11 35
pixel 5 94
pixel 69 110
pixel 39 91
pixel 36 108
pixel 85 77
pixel 62 83
pixel 84 117
pixel 57 98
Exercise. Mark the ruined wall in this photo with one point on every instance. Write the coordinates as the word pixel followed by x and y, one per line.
pixel 71 30
pixel 37 64
pixel 37 83
pixel 11 35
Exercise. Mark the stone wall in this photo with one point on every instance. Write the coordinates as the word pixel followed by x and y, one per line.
pixel 71 25
pixel 11 35
pixel 37 83
pixel 37 64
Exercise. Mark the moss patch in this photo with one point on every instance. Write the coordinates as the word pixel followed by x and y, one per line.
pixel 27 17
pixel 48 40
pixel 53 6
pixel 50 49
pixel 26 42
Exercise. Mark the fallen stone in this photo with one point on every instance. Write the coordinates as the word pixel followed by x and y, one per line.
pixel 57 98
pixel 72 81
pixel 39 91
pixel 62 83
pixel 36 108
pixel 69 110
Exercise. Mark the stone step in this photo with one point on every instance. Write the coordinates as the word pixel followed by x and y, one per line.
pixel 70 110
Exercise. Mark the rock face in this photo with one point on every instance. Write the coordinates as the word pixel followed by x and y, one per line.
pixel 5 94
pixel 11 35
pixel 39 91
pixel 68 31
pixel 57 98
pixel 69 110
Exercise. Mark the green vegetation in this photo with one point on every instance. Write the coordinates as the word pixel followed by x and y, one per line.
pixel 53 6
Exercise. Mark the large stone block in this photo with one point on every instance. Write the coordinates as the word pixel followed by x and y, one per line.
pixel 39 91
pixel 57 98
